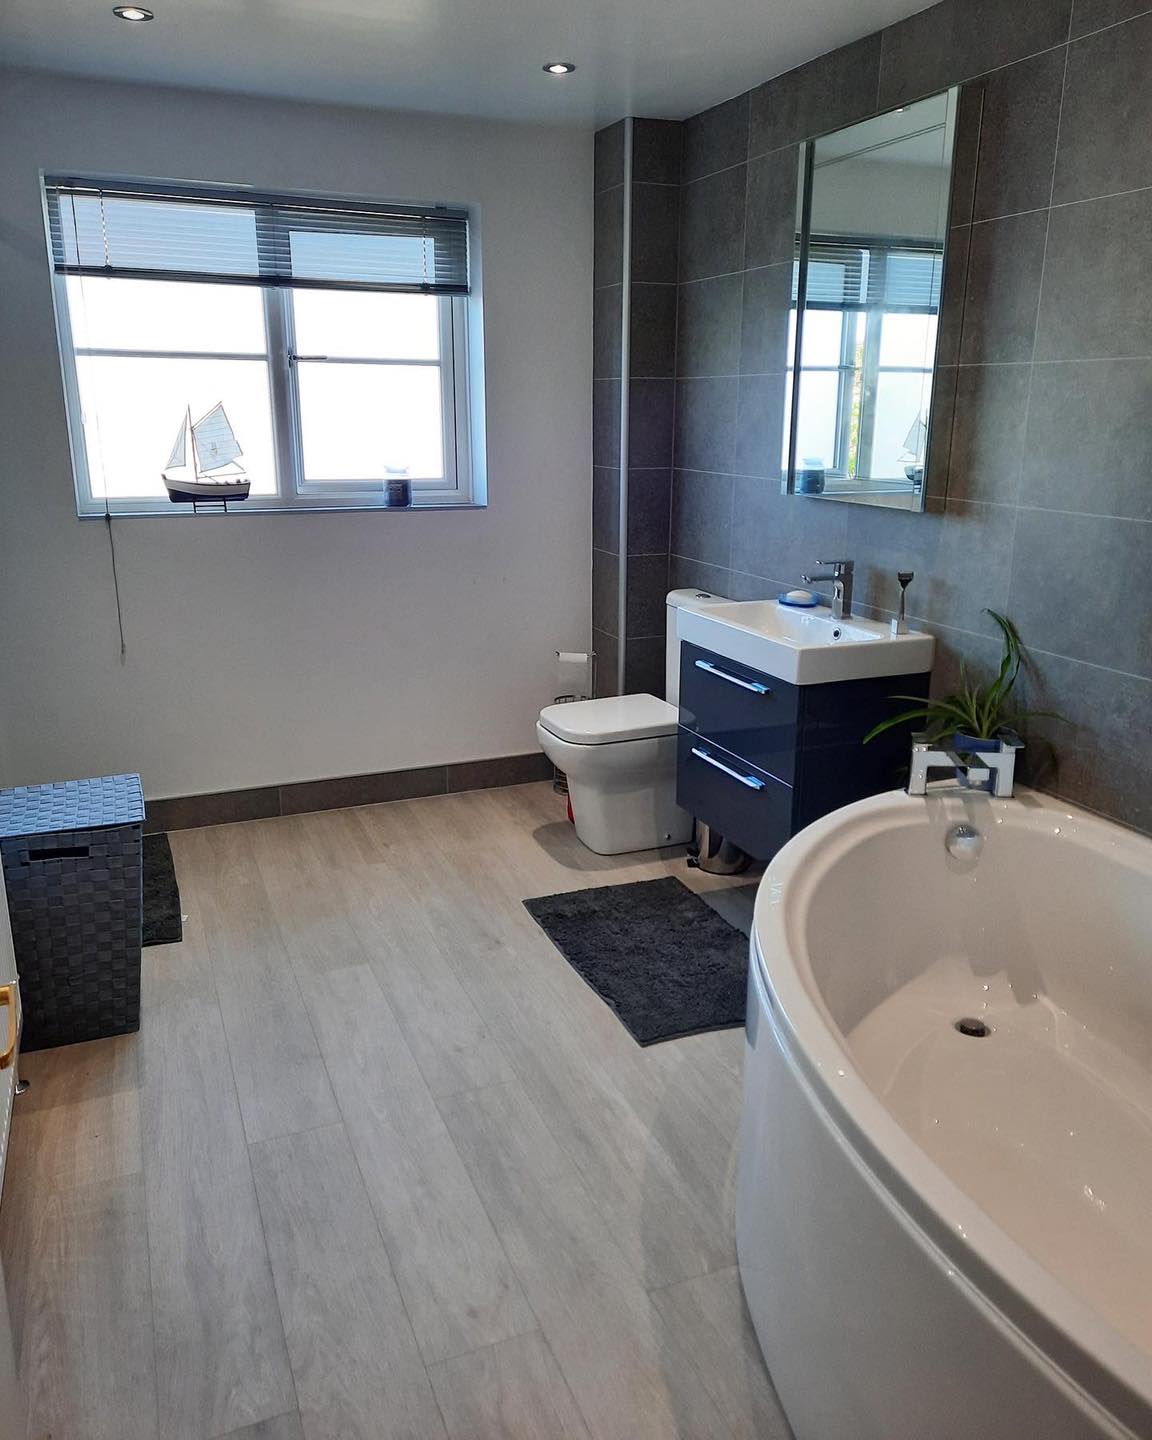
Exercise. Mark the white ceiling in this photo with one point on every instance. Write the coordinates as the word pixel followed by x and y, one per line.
pixel 666 58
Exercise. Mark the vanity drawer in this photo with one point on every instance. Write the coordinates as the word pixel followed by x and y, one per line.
pixel 746 805
pixel 748 713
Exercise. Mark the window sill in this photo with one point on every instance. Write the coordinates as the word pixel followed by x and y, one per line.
pixel 172 511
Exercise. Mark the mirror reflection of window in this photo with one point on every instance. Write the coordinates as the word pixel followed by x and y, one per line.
pixel 871 270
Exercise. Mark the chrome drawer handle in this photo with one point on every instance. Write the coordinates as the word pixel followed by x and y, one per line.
pixel 753 685
pixel 749 780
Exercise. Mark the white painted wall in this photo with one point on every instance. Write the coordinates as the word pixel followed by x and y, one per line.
pixel 266 649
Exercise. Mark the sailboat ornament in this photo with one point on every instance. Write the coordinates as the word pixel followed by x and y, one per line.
pixel 203 468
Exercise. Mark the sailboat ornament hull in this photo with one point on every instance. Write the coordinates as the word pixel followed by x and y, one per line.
pixel 204 464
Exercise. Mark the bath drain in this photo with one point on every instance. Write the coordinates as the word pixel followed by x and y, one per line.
pixel 976 1028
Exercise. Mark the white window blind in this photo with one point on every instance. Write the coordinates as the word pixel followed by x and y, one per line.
pixel 850 275
pixel 148 231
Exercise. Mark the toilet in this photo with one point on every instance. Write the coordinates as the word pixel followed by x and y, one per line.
pixel 619 755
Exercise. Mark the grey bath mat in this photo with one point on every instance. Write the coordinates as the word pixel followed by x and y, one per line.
pixel 655 952
pixel 162 924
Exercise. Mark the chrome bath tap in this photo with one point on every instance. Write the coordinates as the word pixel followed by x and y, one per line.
pixel 991 771
pixel 841 575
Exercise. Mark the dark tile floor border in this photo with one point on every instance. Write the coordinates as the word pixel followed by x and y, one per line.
pixel 224 807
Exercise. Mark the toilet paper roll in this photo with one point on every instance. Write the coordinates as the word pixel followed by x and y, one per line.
pixel 573 672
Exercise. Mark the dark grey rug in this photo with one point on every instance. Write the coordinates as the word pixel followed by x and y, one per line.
pixel 655 952
pixel 162 925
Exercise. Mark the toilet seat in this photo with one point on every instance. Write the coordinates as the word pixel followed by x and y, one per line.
pixel 611 719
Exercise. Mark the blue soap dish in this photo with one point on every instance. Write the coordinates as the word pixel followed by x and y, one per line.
pixel 799 599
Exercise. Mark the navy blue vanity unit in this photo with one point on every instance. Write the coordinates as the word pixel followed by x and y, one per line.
pixel 760 758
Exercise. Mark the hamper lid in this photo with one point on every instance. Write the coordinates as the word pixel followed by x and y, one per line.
pixel 95 804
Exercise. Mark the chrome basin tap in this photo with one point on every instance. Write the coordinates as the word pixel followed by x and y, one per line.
pixel 841 575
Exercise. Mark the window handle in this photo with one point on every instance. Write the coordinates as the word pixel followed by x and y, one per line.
pixel 294 357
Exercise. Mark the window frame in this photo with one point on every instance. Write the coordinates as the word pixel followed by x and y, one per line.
pixel 462 485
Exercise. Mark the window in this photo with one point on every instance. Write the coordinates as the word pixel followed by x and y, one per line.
pixel 324 345
pixel 867 356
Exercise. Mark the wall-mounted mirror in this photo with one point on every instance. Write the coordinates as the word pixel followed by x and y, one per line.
pixel 873 230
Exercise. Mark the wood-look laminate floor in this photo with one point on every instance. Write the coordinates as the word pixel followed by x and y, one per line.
pixel 379 1166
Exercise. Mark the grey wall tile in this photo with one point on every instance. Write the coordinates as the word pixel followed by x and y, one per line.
pixel 1090 438
pixel 644 666
pixel 605 592
pixel 755 587
pixel 1020 118
pixel 649 502
pixel 606 509
pixel 606 422
pixel 655 232
pixel 1066 437
pixel 1107 104
pixel 706 423
pixel 961 558
pixel 652 331
pixel 942 420
pixel 501 771
pixel 1097 299
pixel 348 790
pixel 773 183
pixel 716 138
pixel 702 516
pixel 988 432
pixel 951 321
pixel 712 225
pixel 1088 15
pixel 1005 263
pixel 966 152
pixel 650 409
pixel 960 39
pixel 764 321
pixel 657 146
pixel 780 536
pixel 608 237
pixel 708 327
pixel 606 648
pixel 189 812
pixel 685 573
pixel 759 440
pixel 1054 552
pixel 606 331
pixel 1104 713
pixel 647 588
pixel 834 90
pixel 608 157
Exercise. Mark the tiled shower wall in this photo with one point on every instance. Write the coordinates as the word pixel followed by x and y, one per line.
pixel 1048 511
pixel 637 209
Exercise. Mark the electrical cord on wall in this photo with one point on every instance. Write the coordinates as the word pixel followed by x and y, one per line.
pixel 107 507
pixel 115 582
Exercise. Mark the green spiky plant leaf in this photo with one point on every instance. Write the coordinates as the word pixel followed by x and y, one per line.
pixel 975 709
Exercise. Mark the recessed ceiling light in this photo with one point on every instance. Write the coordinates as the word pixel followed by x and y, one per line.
pixel 559 67
pixel 132 12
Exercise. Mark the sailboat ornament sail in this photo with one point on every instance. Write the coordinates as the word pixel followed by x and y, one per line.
pixel 202 467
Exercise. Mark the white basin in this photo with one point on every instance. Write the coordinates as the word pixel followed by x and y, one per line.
pixel 805 647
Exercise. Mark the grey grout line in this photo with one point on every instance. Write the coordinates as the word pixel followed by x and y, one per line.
pixel 1095 199
pixel 1025 420
pixel 1100 29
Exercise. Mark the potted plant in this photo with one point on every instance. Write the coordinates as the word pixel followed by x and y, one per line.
pixel 977 717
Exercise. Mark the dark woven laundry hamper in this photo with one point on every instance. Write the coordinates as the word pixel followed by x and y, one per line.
pixel 72 868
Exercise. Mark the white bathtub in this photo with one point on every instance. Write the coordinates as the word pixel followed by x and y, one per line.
pixel 945 1236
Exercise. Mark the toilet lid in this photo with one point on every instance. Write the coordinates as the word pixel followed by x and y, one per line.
pixel 616 717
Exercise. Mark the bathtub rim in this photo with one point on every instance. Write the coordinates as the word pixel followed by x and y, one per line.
pixel 1111 1371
